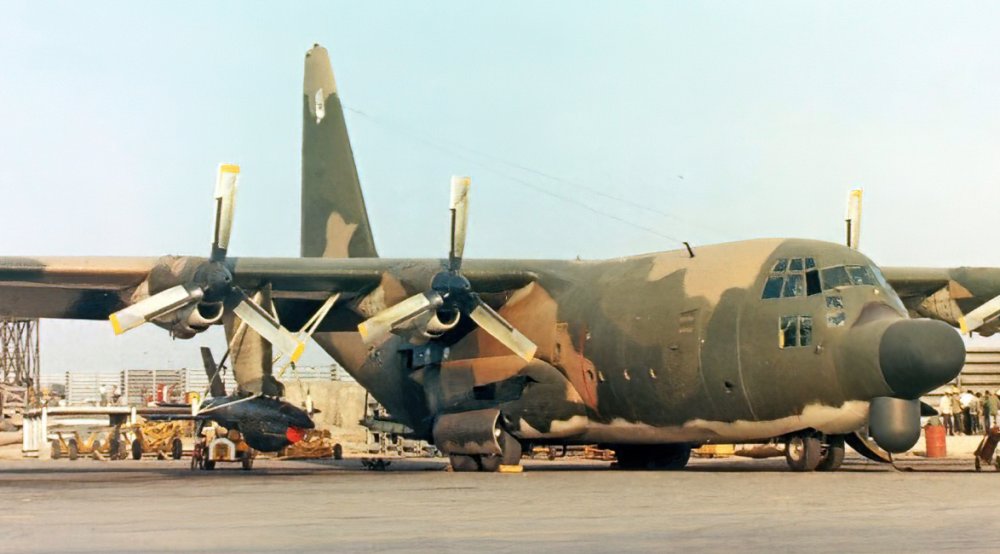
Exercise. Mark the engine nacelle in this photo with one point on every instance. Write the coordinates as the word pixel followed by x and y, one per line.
pixel 192 320
pixel 436 327
pixel 428 326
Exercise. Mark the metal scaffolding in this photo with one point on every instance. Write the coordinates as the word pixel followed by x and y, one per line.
pixel 19 365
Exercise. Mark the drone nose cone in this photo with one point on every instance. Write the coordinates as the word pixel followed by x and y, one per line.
pixel 918 355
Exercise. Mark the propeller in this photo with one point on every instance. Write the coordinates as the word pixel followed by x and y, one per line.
pixel 451 293
pixel 212 283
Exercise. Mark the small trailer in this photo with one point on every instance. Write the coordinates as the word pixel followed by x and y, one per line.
pixel 213 446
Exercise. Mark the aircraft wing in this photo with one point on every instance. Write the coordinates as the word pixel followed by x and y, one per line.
pixel 967 297
pixel 95 287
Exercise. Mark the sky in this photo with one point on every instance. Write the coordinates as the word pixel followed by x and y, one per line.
pixel 591 129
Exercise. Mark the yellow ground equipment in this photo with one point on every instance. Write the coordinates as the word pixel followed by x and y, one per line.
pixel 73 445
pixel 715 451
pixel 159 437
pixel 316 443
pixel 217 445
pixel 594 453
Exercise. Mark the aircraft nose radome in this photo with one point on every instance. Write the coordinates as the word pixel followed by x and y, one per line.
pixel 918 355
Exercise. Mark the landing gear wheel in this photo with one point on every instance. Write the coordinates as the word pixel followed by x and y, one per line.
pixel 490 463
pixel 833 455
pixel 338 452
pixel 462 462
pixel 115 449
pixel 56 450
pixel 74 449
pixel 246 460
pixel 511 449
pixel 208 465
pixel 803 453
pixel 176 448
pixel 136 450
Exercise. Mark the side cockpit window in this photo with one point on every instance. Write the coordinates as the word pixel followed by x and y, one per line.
pixel 794 331
pixel 791 277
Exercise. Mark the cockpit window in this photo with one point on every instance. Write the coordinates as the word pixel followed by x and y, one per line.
pixel 772 289
pixel 791 277
pixel 861 275
pixel 793 286
pixel 842 276
pixel 835 277
pixel 812 282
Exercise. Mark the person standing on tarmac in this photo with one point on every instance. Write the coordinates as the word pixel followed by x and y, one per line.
pixel 944 406
pixel 965 401
pixel 990 406
pixel 975 413
pixel 956 413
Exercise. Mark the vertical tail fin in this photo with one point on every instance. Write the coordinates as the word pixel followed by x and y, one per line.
pixel 334 218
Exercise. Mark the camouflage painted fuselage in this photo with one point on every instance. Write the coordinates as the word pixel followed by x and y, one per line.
pixel 656 348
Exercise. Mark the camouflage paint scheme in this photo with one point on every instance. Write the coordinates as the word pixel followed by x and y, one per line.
pixel 653 349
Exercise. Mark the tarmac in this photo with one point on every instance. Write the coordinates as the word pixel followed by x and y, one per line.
pixel 730 504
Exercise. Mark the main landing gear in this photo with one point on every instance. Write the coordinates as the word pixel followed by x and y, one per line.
pixel 510 449
pixel 814 452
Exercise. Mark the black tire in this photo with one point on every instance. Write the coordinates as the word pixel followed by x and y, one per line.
pixel 338 452
pixel 462 462
pixel 136 449
pixel 115 449
pixel 74 449
pixel 833 455
pixel 246 460
pixel 176 448
pixel 208 465
pixel 490 463
pixel 56 449
pixel 803 452
pixel 511 450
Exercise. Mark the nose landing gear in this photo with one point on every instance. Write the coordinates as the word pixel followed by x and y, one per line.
pixel 814 452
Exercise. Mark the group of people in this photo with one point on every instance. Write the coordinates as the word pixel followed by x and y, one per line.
pixel 969 413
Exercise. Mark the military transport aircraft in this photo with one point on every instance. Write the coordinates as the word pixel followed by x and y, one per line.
pixel 740 342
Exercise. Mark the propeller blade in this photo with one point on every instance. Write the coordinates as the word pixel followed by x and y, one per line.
pixel 215 385
pixel 853 219
pixel 382 323
pixel 225 201
pixel 459 220
pixel 159 304
pixel 258 319
pixel 980 316
pixel 494 324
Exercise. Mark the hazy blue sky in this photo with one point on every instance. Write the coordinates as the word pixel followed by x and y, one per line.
pixel 707 121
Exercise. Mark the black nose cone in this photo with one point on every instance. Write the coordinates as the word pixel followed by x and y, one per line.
pixel 918 355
